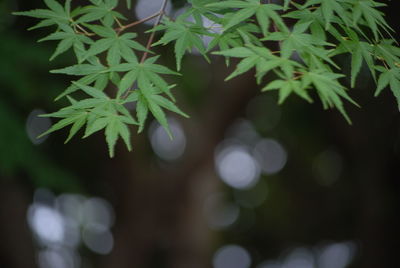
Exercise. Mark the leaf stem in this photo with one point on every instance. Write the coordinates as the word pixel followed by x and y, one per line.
pixel 83 30
pixel 118 22
pixel 384 64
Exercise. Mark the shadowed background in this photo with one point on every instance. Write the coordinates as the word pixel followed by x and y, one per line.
pixel 245 182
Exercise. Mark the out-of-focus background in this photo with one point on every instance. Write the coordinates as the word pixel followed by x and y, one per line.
pixel 245 183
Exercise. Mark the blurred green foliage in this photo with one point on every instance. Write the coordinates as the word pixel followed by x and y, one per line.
pixel 23 68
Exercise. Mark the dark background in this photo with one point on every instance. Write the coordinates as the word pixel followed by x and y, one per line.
pixel 336 202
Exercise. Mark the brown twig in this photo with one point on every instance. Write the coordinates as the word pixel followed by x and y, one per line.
pixel 124 27
pixel 159 14
pixel 151 39
pixel 121 27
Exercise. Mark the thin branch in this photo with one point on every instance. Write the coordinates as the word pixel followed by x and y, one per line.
pixel 121 27
pixel 124 27
pixel 151 39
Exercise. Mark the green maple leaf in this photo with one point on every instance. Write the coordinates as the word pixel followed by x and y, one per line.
pixel 262 59
pixel 332 9
pixel 117 46
pixel 129 4
pixel 373 18
pixel 235 37
pixel 287 87
pixel 265 13
pixel 68 39
pixel 388 52
pixel 149 99
pixel 82 69
pixel 360 51
pixel 55 15
pixel 303 43
pixel 147 70
pixel 100 10
pixel 97 112
pixel 186 36
pixel 391 78
pixel 329 89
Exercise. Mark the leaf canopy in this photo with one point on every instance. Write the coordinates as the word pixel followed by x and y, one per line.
pixel 292 46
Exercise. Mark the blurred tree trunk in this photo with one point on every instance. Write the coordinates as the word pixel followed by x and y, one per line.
pixel 372 146
pixel 16 247
pixel 160 217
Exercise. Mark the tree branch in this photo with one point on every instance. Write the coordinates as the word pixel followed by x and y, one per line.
pixel 150 41
pixel 121 27
pixel 124 27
